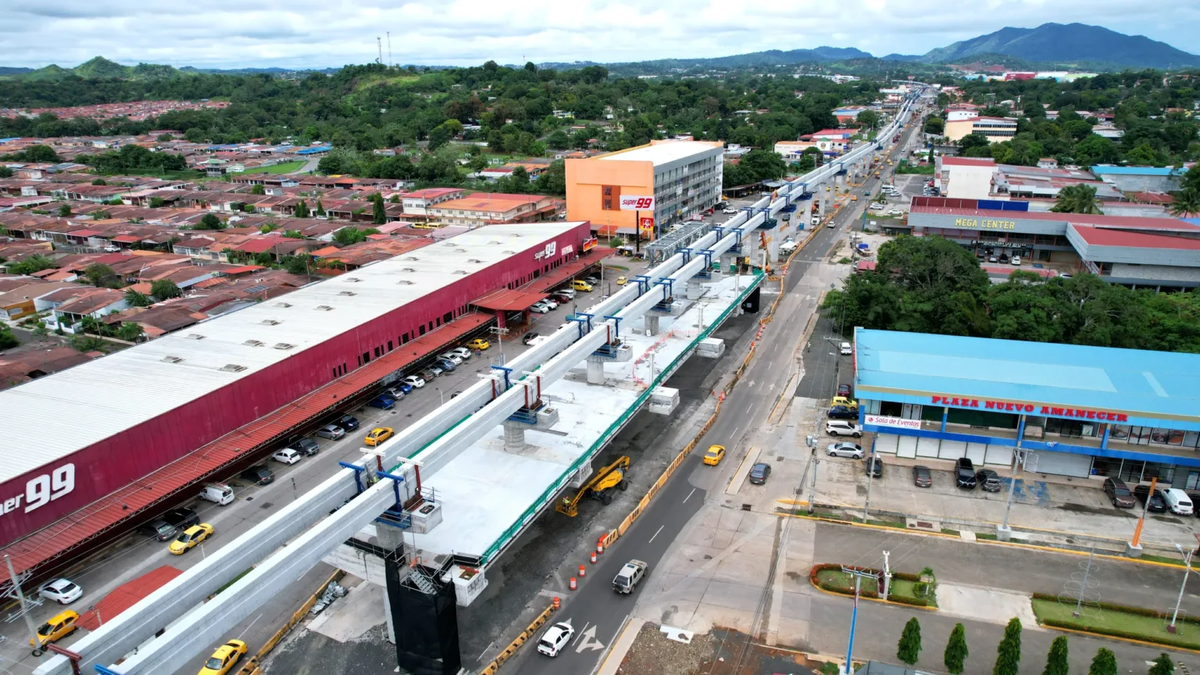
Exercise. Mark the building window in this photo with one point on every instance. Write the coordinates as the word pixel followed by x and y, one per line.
pixel 366 357
pixel 421 331
pixel 389 345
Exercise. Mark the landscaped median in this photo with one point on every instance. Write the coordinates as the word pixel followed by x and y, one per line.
pixel 1119 621
pixel 916 590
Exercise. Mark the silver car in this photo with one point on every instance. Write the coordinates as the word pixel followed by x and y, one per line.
pixel 331 431
pixel 845 450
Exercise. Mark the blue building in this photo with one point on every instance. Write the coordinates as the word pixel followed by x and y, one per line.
pixel 1075 411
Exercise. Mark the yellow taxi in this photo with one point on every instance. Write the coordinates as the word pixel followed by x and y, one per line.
pixel 224 659
pixel 621 280
pixel 379 435
pixel 478 344
pixel 58 627
pixel 714 455
pixel 581 285
pixel 191 537
pixel 853 198
pixel 842 400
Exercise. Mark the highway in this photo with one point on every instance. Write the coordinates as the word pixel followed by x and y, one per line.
pixel 595 611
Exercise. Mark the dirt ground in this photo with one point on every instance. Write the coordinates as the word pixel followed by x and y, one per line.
pixel 721 652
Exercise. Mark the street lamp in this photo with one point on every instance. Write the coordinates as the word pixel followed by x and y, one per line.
pixel 441 400
pixel 1187 561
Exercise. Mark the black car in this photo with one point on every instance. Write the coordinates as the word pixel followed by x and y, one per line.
pixel 529 338
pixel 988 480
pixel 759 473
pixel 182 518
pixel 159 529
pixel 347 422
pixel 259 475
pixel 1157 503
pixel 922 477
pixel 306 446
pixel 964 473
pixel 874 467
pixel 841 412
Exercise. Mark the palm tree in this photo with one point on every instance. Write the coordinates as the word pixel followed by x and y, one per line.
pixel 1186 202
pixel 1077 199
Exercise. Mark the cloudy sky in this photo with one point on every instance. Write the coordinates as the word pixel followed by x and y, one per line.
pixel 330 33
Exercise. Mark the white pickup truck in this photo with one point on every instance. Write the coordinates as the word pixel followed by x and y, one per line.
pixel 629 576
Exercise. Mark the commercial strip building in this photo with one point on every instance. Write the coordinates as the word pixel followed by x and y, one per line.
pixel 983 178
pixel 1087 412
pixel 1161 253
pixel 489 208
pixel 684 177
pixel 125 416
pixel 995 129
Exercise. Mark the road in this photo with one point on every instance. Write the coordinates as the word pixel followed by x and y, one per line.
pixel 595 611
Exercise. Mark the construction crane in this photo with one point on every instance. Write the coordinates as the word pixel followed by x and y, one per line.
pixel 600 486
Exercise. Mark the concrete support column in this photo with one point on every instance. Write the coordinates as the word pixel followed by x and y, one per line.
pixel 595 369
pixel 651 324
pixel 391 623
pixel 501 318
pixel 514 436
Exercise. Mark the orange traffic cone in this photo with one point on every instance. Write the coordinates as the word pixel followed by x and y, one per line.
pixel 572 583
pixel 582 571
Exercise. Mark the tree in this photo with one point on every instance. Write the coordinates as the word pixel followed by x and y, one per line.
pixel 762 165
pixel 868 119
pixel 34 263
pixel 558 140
pixel 1076 199
pixel 301 209
pixel 6 172
pixel 1163 666
pixel 210 222
pixel 910 640
pixel 7 339
pixel 99 181
pixel 973 141
pixel 156 202
pixel 352 235
pixel 320 210
pixel 1056 661
pixel 100 275
pixel 136 299
pixel 297 264
pixel 935 125
pixel 1104 663
pixel 378 210
pixel 64 211
pixel 438 137
pixel 1008 652
pixel 956 650
pixel 258 190
pixel 164 289
pixel 128 331
pixel 1187 202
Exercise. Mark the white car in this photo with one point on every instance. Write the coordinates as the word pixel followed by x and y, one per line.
pixel 845 450
pixel 845 349
pixel 566 292
pixel 549 303
pixel 62 591
pixel 286 456
pixel 895 212
pixel 877 207
pixel 461 352
pixel 1016 260
pixel 452 357
pixel 555 638
pixel 729 212
pixel 414 381
pixel 540 308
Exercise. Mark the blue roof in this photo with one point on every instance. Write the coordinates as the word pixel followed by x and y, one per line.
pixel 1104 169
pixel 1141 384
pixel 318 148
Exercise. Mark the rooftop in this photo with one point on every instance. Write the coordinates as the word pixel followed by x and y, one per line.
pixel 968 161
pixel 481 201
pixel 662 152
pixel 1109 170
pixel 1136 382
pixel 122 390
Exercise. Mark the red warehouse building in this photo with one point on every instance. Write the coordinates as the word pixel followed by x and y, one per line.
pixel 74 437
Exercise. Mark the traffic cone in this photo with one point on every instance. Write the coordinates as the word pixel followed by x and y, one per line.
pixel 600 545
pixel 593 557
pixel 582 571
pixel 572 583
pixel 557 602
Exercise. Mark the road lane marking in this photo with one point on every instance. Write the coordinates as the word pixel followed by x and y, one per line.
pixel 580 634
pixel 250 626
pixel 688 497
pixel 660 529
pixel 591 643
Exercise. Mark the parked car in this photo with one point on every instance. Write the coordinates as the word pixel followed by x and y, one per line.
pixel 964 473
pixel 286 456
pixel 566 292
pixel 478 344
pixel 402 388
pixel 58 627
pixel 993 259
pixel 159 529
pixel 217 493
pixel 462 352
pixel 306 446
pixel 62 591
pixel 1157 503
pixel 988 480
pixel 259 475
pixel 539 308
pixel 191 538
pixel 874 467
pixel 845 349
pixel 331 431
pixel 555 639
pixel 1016 260
pixel 842 428
pixel 435 368
pixel 182 518
pixel 562 299
pixel 415 381
pixel 922 476
pixel 452 358
pixel 1177 501
pixel 383 402
pixel 348 423
pixel 446 365
pixel 759 473
pixel 845 390
pixel 841 412
pixel 549 302
pixel 845 450
pixel 529 338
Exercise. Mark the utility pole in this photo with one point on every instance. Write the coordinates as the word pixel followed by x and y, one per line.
pixel 858 575
pixel 887 575
pixel 870 480
pixel 1187 560
pixel 379 44
pixel 389 36
pixel 1135 546
pixel 812 488
pixel 1004 532
pixel 20 597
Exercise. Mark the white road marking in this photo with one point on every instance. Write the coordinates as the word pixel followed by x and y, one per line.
pixel 660 529
pixel 687 497
pixel 250 626
pixel 580 634
pixel 591 643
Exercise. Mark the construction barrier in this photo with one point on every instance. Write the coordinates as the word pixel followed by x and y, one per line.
pixel 524 637
pixel 252 666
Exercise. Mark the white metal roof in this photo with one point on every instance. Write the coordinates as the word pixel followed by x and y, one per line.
pixel 662 153
pixel 55 416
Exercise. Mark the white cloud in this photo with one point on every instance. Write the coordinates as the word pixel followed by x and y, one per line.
pixel 324 33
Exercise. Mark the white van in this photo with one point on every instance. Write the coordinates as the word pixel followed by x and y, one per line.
pixel 1177 500
pixel 217 493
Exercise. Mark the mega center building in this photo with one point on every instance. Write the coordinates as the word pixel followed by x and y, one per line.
pixel 1071 410
pixel 684 177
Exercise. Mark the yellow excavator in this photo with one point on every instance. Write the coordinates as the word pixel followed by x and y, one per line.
pixel 600 486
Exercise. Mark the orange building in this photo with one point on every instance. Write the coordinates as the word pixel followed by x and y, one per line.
pixel 684 177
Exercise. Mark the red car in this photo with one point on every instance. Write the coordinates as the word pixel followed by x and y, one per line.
pixel 845 390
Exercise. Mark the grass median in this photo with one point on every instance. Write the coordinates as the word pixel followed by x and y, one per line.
pixel 1117 623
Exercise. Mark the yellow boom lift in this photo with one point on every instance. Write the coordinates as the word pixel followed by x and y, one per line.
pixel 600 486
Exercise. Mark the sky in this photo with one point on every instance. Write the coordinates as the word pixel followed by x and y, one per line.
pixel 332 33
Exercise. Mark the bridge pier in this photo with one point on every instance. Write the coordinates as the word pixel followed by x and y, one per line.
pixel 422 605
pixel 595 369
pixel 514 436
pixel 651 324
